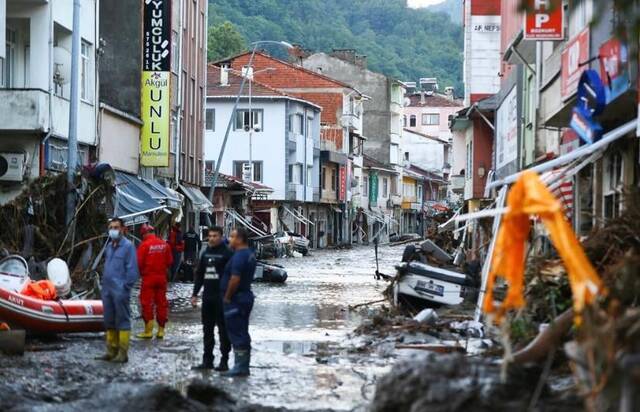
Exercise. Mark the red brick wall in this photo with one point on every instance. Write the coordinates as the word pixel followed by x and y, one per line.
pixel 485 7
pixel 331 104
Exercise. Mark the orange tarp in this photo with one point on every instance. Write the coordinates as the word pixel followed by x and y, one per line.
pixel 529 196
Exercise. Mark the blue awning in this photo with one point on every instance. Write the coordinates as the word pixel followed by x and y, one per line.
pixel 132 199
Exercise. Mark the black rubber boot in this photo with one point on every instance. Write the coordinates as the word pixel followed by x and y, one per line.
pixel 223 366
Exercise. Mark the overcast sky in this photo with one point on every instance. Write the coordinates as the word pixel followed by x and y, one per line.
pixel 422 3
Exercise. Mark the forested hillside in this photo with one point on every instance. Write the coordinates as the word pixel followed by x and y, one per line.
pixel 401 42
pixel 451 7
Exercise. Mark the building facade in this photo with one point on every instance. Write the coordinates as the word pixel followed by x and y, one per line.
pixel 381 117
pixel 34 89
pixel 341 135
pixel 280 148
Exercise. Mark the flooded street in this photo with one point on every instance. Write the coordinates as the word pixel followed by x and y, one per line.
pixel 303 357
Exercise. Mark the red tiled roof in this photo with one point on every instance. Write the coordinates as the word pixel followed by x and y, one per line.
pixel 434 100
pixel 322 80
pixel 215 88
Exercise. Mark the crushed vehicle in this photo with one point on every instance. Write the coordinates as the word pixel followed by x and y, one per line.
pixel 293 242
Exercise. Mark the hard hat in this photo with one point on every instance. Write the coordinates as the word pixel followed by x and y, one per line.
pixel 146 229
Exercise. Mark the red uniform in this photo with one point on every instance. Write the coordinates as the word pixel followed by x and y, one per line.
pixel 154 258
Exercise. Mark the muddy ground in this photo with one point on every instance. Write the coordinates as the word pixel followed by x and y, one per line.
pixel 303 359
pixel 312 352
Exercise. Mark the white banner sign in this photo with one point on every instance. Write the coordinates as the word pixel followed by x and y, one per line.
pixel 507 130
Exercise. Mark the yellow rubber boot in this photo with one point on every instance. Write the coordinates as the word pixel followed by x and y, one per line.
pixel 123 347
pixel 160 333
pixel 112 346
pixel 148 331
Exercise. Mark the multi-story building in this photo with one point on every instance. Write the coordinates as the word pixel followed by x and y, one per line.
pixel 378 221
pixel 35 59
pixel 482 70
pixel 280 148
pixel 341 135
pixel 188 81
pixel 382 112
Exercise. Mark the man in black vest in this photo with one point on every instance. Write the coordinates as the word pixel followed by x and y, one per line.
pixel 212 262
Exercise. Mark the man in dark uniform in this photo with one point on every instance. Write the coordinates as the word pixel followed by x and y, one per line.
pixel 213 260
pixel 238 300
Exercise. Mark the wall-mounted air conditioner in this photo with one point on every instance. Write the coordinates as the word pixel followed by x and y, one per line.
pixel 12 167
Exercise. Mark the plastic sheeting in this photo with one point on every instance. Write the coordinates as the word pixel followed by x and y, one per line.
pixel 529 196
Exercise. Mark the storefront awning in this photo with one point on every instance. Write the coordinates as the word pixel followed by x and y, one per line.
pixel 198 199
pixel 132 199
pixel 170 197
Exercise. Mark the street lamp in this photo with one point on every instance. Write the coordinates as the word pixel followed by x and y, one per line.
pixel 255 45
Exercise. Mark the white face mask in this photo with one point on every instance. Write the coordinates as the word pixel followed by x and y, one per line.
pixel 114 234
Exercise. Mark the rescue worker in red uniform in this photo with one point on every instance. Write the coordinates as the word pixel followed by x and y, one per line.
pixel 154 260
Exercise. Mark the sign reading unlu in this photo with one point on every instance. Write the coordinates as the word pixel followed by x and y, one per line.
pixel 156 87
pixel 544 20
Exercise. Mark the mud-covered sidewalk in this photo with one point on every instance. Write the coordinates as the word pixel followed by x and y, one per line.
pixel 304 357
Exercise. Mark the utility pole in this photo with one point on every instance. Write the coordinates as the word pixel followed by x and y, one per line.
pixel 72 146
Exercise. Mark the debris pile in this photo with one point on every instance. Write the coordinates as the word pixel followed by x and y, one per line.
pixel 437 382
pixel 34 224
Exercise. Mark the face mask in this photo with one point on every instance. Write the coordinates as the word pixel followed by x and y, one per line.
pixel 114 234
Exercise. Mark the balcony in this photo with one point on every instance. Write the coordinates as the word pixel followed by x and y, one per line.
pixel 24 110
pixel 295 192
pixel 27 110
pixel 457 183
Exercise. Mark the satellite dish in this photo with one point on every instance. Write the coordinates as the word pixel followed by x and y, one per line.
pixel 61 65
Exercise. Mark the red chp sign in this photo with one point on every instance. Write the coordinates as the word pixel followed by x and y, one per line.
pixel 575 58
pixel 544 20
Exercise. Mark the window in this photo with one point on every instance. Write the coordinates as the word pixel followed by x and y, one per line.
pixel 393 153
pixel 419 195
pixel 324 178
pixel 240 165
pixel 309 176
pixel 296 123
pixel 192 109
pixel 365 186
pixel 10 60
pixel 409 190
pixel 243 123
pixel 430 119
pixel 175 56
pixel 385 187
pixel 394 186
pixel 412 121
pixel 404 121
pixel 334 179
pixel 85 74
pixel 612 185
pixel 290 174
pixel 210 120
pixel 295 174
pixel 309 127
pixel 406 156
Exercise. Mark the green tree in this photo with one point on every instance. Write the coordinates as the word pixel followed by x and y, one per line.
pixel 224 40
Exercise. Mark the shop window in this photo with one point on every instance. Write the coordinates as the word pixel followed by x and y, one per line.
pixel 612 185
